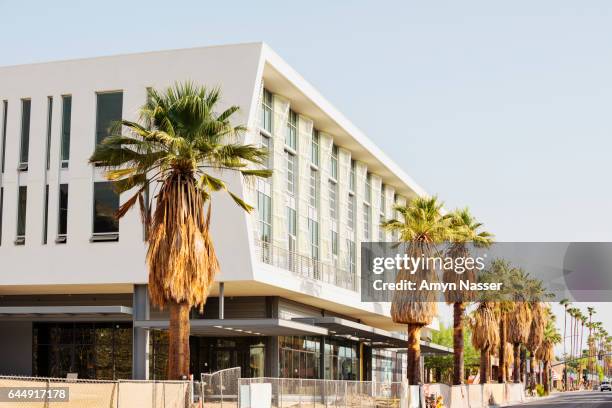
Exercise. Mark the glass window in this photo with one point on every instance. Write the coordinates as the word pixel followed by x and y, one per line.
pixel 49 122
pixel 383 201
pixel 266 143
pixel 334 163
pixel 313 191
pixel 292 126
pixel 62 226
pixel 351 211
pixel 291 233
pixel 108 112
pixel 366 222
pixel 4 113
pixel 351 255
pixel 291 173
pixel 352 176
pixel 368 188
pixel 26 106
pixel 314 147
pixel 66 121
pixel 264 212
pixel 46 215
pixel 266 111
pixel 299 357
pixel 381 231
pixel 313 232
pixel 106 203
pixel 21 211
pixel 334 243
pixel 333 200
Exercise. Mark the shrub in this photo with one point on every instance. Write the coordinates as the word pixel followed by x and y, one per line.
pixel 540 390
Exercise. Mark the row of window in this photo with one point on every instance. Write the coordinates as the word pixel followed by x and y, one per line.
pixel 105 224
pixel 108 112
pixel 291 170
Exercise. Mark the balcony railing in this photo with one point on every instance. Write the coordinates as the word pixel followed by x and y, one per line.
pixel 305 266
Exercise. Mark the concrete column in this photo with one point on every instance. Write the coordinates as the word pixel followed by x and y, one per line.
pixel 322 358
pixel 271 368
pixel 140 336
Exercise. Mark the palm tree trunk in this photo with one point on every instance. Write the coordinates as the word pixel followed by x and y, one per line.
pixel 545 377
pixel 501 376
pixel 414 354
pixel 523 365
pixel 516 367
pixel 531 381
pixel 485 365
pixel 178 341
pixel 564 350
pixel 458 363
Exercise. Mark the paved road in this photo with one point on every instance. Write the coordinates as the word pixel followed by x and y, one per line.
pixel 582 399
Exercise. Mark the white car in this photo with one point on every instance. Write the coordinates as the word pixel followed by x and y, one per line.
pixel 605 386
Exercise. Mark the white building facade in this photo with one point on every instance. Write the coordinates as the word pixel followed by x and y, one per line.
pixel 286 302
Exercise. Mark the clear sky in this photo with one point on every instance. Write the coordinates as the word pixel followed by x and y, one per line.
pixel 505 107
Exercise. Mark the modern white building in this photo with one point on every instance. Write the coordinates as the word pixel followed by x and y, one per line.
pixel 287 302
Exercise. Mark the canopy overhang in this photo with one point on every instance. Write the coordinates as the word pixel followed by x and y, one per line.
pixel 241 327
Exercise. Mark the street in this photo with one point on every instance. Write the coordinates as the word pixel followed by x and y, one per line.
pixel 582 399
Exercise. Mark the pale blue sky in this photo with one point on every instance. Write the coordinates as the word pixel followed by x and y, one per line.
pixel 502 106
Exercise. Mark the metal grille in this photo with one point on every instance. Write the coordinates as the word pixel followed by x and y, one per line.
pixel 220 389
pixel 305 266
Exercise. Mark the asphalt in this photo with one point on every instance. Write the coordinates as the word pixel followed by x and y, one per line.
pixel 582 399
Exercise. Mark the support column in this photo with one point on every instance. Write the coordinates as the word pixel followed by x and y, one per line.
pixel 140 336
pixel 221 300
pixel 271 368
pixel 322 358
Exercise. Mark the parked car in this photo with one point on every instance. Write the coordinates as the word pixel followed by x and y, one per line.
pixel 605 386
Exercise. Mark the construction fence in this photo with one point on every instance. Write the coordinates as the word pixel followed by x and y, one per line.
pixel 39 392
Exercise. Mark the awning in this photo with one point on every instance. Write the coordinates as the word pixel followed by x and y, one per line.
pixel 377 338
pixel 63 312
pixel 241 327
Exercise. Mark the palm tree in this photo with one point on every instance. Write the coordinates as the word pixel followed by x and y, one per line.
pixel 467 231
pixel 519 317
pixel 536 335
pixel 484 324
pixel 591 311
pixel 546 352
pixel 180 146
pixel 421 226
pixel 566 304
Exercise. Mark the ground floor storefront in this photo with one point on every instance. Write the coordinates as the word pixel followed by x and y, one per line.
pixel 102 337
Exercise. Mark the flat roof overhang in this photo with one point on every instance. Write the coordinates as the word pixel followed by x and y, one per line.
pixel 65 312
pixel 377 338
pixel 241 327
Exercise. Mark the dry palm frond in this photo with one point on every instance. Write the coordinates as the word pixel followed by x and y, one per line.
pixel 519 323
pixel 538 323
pixel 181 257
pixel 484 325
pixel 509 353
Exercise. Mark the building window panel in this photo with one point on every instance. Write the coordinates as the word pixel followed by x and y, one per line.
pixel 46 215
pixel 267 111
pixel 313 230
pixel 368 188
pixel 366 222
pixel 4 113
pixel 66 121
pixel 313 190
pixel 352 260
pixel 351 212
pixel 264 213
pixel 334 243
pixel 106 203
pixel 49 123
pixel 26 107
pixel 62 225
pixel 292 129
pixel 291 173
pixel 21 214
pixel 352 176
pixel 266 143
pixel 314 148
pixel 333 200
pixel 333 169
pixel 108 114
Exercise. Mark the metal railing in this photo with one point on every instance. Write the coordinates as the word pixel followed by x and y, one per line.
pixel 220 389
pixel 299 393
pixel 305 266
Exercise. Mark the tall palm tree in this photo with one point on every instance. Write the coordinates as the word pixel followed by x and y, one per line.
pixel 591 311
pixel 467 232
pixel 519 317
pixel 180 147
pixel 421 225
pixel 484 324
pixel 546 352
pixel 536 335
pixel 566 304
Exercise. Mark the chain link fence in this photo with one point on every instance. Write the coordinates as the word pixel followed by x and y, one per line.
pixel 41 392
pixel 302 393
pixel 219 389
